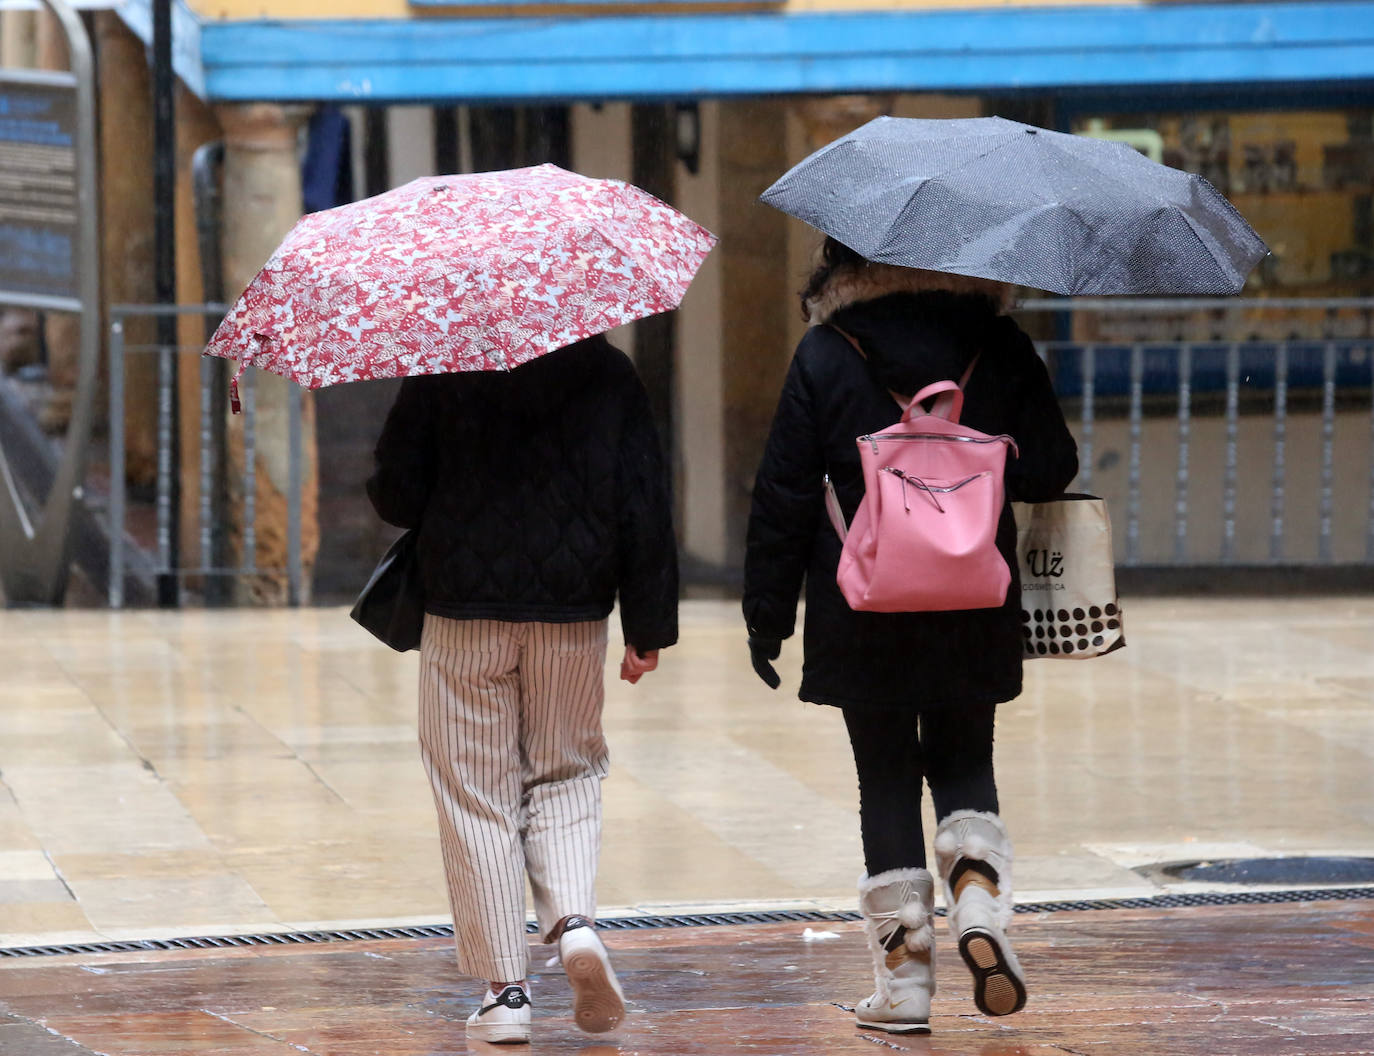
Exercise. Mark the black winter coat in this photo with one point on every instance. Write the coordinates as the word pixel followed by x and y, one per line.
pixel 833 395
pixel 538 493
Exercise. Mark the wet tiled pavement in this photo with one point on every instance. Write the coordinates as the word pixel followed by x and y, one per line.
pixel 219 773
pixel 1293 979
pixel 204 772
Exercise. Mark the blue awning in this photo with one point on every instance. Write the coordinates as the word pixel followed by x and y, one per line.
pixel 687 56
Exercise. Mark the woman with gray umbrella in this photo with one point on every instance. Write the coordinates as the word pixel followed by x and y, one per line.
pixel 918 691
pixel 931 226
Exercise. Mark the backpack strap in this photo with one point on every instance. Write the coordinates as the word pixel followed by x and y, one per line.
pixel 953 406
pixel 949 401
pixel 949 395
pixel 834 510
pixel 901 402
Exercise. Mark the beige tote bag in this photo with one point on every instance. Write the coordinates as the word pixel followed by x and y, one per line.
pixel 1069 607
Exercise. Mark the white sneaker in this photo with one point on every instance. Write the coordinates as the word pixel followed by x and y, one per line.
pixel 504 1020
pixel 598 1001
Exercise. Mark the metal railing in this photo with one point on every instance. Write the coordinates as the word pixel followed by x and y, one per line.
pixel 1282 389
pixel 213 527
pixel 1221 433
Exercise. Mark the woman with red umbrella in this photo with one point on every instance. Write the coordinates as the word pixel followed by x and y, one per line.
pixel 522 455
pixel 538 494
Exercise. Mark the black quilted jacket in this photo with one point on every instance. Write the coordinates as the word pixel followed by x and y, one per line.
pixel 830 397
pixel 538 493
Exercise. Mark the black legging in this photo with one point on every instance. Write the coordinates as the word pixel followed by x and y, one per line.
pixel 951 749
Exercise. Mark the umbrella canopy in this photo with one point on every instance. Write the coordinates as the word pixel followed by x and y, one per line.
pixel 1001 200
pixel 458 273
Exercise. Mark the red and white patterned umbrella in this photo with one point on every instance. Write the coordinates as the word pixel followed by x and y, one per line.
pixel 457 273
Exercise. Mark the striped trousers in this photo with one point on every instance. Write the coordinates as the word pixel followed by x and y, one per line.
pixel 510 735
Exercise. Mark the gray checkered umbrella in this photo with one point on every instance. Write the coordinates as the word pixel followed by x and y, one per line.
pixel 1024 205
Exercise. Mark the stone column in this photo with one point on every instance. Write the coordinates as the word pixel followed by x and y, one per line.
pixel 756 297
pixel 764 258
pixel 828 117
pixel 262 199
pixel 817 121
pixel 125 142
pixel 195 125
pixel 700 370
pixel 18 38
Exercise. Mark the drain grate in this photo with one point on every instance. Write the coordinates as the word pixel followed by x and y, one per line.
pixel 699 920
pixel 220 942
pixel 686 920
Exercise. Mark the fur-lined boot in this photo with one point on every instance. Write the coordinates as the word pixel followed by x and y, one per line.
pixel 973 852
pixel 897 908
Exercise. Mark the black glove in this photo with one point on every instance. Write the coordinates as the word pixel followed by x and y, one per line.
pixel 761 650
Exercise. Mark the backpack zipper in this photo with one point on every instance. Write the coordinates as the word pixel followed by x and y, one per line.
pixel 873 439
pixel 933 487
pixel 929 489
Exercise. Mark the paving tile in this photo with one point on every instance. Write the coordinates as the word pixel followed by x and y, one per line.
pixel 20 1037
pixel 32 923
pixel 21 891
pixel 25 865
pixel 150 901
pixel 168 1034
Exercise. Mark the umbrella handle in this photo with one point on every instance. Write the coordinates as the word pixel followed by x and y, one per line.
pixel 235 404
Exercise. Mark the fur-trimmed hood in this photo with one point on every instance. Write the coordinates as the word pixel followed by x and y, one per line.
pixel 851 284
pixel 915 326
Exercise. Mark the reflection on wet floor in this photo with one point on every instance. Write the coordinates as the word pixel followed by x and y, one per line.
pixel 1295 979
pixel 205 772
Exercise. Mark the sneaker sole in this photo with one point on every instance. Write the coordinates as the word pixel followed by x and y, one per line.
pixel 598 1005
pixel 500 1033
pixel 894 1028
pixel 997 991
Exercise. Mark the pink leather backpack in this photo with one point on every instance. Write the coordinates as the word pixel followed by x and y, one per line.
pixel 924 538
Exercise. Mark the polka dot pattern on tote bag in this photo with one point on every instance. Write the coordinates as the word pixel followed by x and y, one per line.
pixel 1065 632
